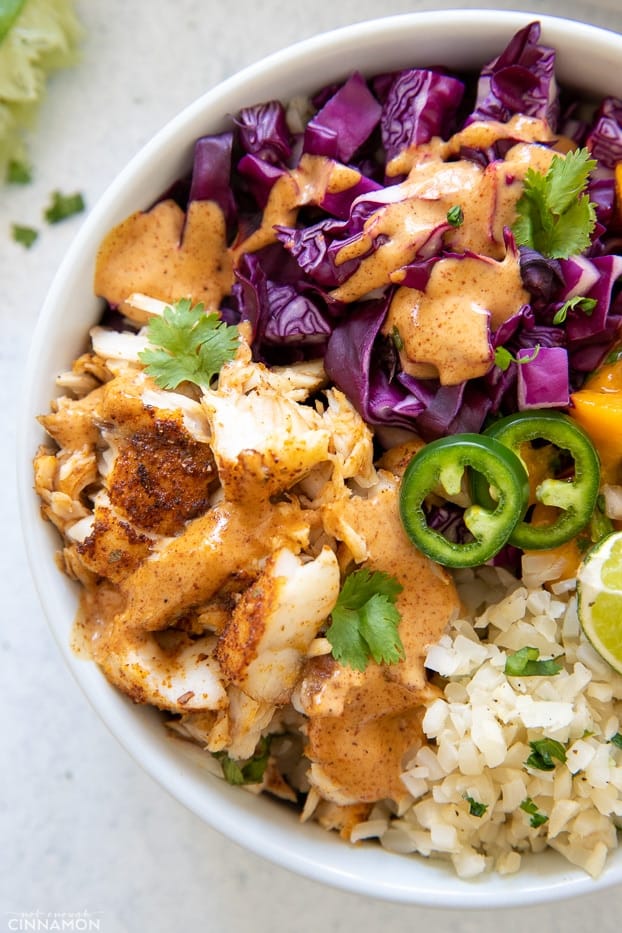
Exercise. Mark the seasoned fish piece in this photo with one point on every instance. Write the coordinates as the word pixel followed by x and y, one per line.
pixel 263 647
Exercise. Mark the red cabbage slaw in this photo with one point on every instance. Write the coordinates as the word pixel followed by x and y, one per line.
pixel 285 289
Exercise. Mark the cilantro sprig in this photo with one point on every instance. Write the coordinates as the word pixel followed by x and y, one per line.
pixel 555 215
pixel 364 621
pixel 187 345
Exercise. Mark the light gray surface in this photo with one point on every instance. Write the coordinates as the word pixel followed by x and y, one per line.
pixel 82 828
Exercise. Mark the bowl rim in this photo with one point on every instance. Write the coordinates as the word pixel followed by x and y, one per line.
pixel 318 859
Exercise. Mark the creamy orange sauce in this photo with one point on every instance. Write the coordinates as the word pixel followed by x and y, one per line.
pixel 167 254
pixel 362 725
pixel 314 177
pixel 358 741
pixel 188 569
pixel 444 331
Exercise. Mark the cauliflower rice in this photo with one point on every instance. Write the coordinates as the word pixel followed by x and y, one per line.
pixel 480 727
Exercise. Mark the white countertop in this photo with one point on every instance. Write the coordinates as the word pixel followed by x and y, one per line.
pixel 82 829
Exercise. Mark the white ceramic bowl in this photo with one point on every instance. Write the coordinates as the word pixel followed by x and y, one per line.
pixel 588 57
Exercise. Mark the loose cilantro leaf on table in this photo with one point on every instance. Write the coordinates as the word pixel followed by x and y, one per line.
pixel 543 751
pixel 537 818
pixel 188 345
pixel 18 173
pixel 527 663
pixel 555 215
pixel 24 235
pixel 364 621
pixel 63 206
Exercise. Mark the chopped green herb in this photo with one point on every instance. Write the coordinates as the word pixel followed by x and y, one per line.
pixel 475 807
pixel 24 235
pixel 187 345
pixel 250 771
pixel 397 338
pixel 586 305
pixel 555 215
pixel 537 818
pixel 18 173
pixel 543 751
pixel 616 740
pixel 614 356
pixel 63 206
pixel 526 663
pixel 365 620
pixel 503 357
pixel 455 216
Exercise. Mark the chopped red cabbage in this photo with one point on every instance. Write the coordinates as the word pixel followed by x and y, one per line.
pixel 211 174
pixel 520 80
pixel 351 114
pixel 280 313
pixel 543 378
pixel 259 176
pixel 284 290
pixel 263 132
pixel 420 104
pixel 605 137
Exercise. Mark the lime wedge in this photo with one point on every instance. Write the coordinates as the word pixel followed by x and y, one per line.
pixel 599 598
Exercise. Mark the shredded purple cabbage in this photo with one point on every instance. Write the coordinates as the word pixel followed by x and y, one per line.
pixel 263 132
pixel 420 104
pixel 286 290
pixel 345 121
pixel 520 80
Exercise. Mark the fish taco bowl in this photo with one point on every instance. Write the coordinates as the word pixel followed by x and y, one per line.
pixel 308 415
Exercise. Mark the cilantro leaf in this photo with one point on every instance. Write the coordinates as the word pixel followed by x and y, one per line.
pixel 554 214
pixel 616 740
pixel 187 345
pixel 567 178
pixel 526 663
pixel 364 621
pixel 24 235
pixel 543 751
pixel 63 206
pixel 537 818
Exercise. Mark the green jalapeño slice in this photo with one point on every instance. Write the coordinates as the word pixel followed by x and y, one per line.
pixel 441 469
pixel 574 493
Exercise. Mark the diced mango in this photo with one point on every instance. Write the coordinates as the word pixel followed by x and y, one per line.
pixel 599 412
